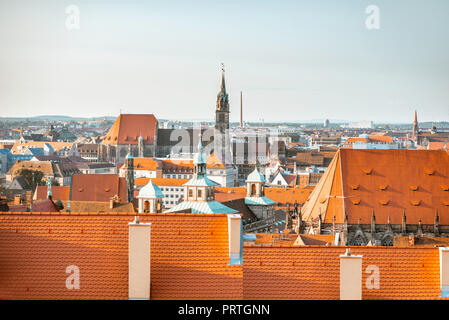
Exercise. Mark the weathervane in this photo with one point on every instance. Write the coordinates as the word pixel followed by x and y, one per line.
pixel 222 67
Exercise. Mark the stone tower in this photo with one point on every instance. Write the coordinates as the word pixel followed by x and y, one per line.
pixel 221 134
pixel 140 147
pixel 129 175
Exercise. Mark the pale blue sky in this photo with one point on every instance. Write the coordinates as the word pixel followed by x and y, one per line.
pixel 294 60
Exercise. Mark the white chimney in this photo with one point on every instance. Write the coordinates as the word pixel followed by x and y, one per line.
pixel 350 276
pixel 444 271
pixel 139 260
pixel 235 239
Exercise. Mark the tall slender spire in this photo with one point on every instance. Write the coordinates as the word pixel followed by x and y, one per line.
pixel 223 85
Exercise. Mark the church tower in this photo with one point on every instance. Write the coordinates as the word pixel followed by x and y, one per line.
pixel 129 175
pixel 221 134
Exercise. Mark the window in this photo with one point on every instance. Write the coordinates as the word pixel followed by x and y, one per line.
pixel 200 193
pixel 190 193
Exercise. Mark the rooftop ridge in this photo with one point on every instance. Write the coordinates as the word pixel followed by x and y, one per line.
pixel 111 213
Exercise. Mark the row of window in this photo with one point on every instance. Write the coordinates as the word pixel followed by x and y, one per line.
pixel 171 189
pixel 178 176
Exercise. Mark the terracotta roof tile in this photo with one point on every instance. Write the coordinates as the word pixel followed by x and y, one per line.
pixel 58 193
pixel 128 127
pixel 161 181
pixel 189 258
pixel 98 187
pixel 276 272
pixel 384 179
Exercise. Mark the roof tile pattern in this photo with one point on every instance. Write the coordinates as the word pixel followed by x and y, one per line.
pixel 128 128
pixel 297 273
pixel 386 181
pixel 98 187
pixel 189 256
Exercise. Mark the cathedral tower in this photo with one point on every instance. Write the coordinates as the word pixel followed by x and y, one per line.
pixel 129 175
pixel 222 123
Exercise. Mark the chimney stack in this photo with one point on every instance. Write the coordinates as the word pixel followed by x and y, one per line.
pixel 139 260
pixel 444 271
pixel 235 236
pixel 350 276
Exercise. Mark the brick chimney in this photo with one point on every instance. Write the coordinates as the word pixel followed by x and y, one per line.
pixel 235 236
pixel 444 271
pixel 17 199
pixel 350 276
pixel 139 260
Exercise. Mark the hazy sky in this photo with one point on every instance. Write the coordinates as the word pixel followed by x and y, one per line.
pixel 293 60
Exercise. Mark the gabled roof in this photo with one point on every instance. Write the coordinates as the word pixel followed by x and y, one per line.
pixel 44 206
pixel 189 256
pixel 98 206
pixel 45 167
pixel 19 182
pixel 58 193
pixel 255 176
pixel 386 181
pixel 98 187
pixel 128 127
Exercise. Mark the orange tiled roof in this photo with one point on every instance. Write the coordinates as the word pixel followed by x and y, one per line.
pixel 214 162
pixel 438 145
pixel 45 167
pixel 189 256
pixel 160 181
pixel 58 193
pixel 388 181
pixel 129 127
pixel 98 187
pixel 279 195
pixel 57 146
pixel 97 206
pixel 371 138
pixel 146 164
pixel 44 206
pixel 384 139
pixel 276 272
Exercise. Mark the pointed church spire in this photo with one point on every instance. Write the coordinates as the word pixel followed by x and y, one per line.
pixel 223 85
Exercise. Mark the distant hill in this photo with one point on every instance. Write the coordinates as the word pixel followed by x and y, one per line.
pixel 54 118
